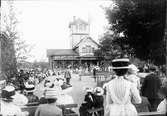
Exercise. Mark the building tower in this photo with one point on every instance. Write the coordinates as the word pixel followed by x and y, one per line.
pixel 79 29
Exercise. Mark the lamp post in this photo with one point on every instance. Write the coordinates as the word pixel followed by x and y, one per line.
pixel 0 58
pixel 165 36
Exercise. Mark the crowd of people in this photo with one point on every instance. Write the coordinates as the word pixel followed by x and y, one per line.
pixel 16 94
pixel 126 94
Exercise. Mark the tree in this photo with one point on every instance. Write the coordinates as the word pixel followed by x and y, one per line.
pixel 142 23
pixel 16 49
pixel 108 48
pixel 8 57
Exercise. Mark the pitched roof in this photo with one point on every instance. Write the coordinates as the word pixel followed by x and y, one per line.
pixel 84 39
pixel 78 21
pixel 61 52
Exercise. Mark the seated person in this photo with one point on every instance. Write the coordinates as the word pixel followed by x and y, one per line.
pixel 47 84
pixel 51 108
pixel 145 106
pixel 162 107
pixel 29 89
pixel 98 99
pixel 88 103
pixel 43 100
pixel 7 106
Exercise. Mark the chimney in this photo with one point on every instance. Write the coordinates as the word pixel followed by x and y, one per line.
pixel 74 18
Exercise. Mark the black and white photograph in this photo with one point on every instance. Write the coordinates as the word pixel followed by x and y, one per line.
pixel 83 58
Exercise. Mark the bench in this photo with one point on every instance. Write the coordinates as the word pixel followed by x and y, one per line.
pixel 31 108
pixel 66 109
pixel 94 111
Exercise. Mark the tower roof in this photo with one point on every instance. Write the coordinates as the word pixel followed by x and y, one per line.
pixel 78 21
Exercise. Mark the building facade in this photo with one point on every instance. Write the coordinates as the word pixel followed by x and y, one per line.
pixel 81 51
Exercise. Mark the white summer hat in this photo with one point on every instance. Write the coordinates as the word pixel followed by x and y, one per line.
pixel 98 91
pixel 133 68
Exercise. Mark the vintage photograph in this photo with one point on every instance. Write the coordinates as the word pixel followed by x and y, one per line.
pixel 83 58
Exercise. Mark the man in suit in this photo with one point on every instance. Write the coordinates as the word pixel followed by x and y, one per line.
pixel 150 88
pixel 67 76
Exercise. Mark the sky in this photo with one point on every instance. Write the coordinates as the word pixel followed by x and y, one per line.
pixel 44 23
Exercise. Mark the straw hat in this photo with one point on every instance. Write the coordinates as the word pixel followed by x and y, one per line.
pixel 48 84
pixel 98 91
pixel 121 63
pixel 88 89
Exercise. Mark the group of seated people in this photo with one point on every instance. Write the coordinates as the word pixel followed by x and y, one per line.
pixel 12 101
pixel 93 99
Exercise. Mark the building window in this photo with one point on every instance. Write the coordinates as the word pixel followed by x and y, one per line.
pixel 83 50
pixel 93 50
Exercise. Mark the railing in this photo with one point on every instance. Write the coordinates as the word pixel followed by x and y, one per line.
pixel 94 111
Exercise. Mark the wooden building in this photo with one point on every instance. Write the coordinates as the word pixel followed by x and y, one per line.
pixel 82 48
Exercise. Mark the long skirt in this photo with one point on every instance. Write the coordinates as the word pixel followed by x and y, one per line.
pixel 120 110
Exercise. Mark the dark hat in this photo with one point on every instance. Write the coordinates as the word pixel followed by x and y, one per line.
pixel 8 93
pixel 122 63
pixel 152 68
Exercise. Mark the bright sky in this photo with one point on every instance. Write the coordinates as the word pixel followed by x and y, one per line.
pixel 44 23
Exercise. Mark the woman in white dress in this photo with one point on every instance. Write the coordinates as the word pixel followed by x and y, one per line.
pixel 120 92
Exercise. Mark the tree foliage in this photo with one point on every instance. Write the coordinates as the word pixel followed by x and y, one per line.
pixel 142 23
pixel 7 57
pixel 14 49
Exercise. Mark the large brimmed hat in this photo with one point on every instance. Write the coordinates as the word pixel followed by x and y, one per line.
pixel 133 68
pixel 98 91
pixel 52 93
pixel 8 93
pixel 121 63
pixel 88 89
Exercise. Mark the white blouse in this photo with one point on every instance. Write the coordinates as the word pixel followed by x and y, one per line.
pixel 119 86
pixel 162 107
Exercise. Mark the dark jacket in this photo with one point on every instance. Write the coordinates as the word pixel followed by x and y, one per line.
pixel 98 101
pixel 67 75
pixel 32 98
pixel 151 86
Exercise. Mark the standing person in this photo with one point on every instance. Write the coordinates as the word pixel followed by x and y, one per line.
pixel 99 100
pixel 94 73
pixel 49 109
pixel 132 75
pixel 21 80
pixel 67 76
pixel 120 92
pixel 150 88
pixel 80 73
